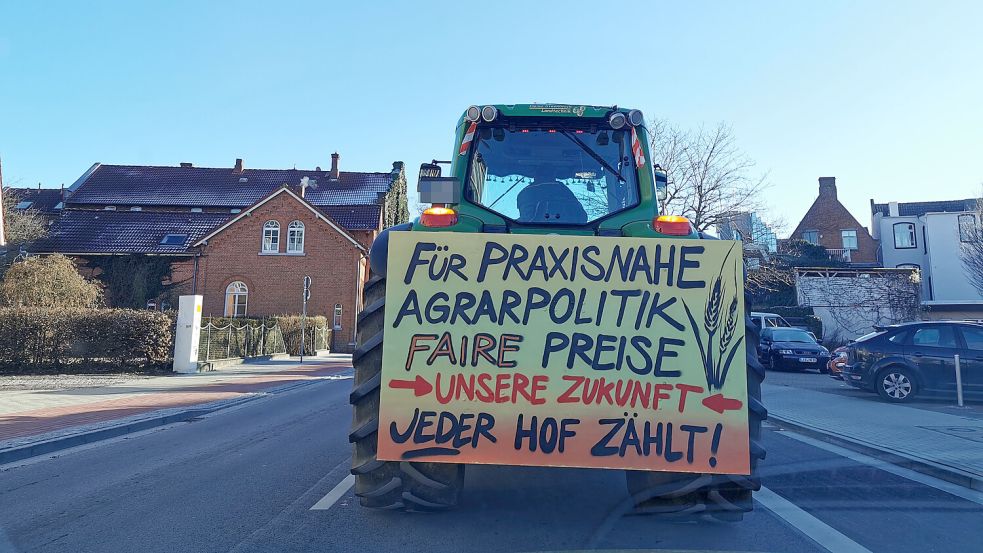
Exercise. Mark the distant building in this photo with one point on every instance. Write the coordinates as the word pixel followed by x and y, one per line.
pixel 46 202
pixel 748 228
pixel 830 225
pixel 242 238
pixel 928 236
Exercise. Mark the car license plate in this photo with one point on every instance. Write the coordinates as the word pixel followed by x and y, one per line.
pixel 807 359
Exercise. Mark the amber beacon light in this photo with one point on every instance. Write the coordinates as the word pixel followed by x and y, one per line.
pixel 673 225
pixel 438 217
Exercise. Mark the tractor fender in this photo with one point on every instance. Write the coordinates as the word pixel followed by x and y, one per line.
pixel 379 254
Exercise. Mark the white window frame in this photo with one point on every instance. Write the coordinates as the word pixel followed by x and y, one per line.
pixel 336 319
pixel 235 291
pixel 856 241
pixel 271 237
pixel 295 237
pixel 911 233
pixel 804 239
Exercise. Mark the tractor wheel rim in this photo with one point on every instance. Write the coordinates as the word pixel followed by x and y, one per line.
pixel 897 385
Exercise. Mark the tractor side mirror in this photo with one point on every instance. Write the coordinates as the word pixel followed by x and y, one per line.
pixel 661 183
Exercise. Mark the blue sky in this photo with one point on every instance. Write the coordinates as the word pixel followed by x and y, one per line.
pixel 885 96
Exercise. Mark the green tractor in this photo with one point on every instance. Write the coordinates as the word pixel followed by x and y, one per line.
pixel 540 169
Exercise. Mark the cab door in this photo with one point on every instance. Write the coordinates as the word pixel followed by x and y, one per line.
pixel 932 351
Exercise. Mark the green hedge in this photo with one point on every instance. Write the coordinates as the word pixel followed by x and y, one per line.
pixel 318 337
pixel 43 339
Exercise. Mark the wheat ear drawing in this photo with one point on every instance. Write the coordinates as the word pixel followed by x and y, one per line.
pixel 727 334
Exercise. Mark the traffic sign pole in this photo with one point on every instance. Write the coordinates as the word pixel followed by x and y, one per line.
pixel 303 316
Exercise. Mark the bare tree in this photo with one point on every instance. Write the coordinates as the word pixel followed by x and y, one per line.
pixel 708 175
pixel 20 225
pixel 972 252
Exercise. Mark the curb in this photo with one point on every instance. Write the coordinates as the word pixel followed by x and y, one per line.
pixel 163 418
pixel 924 466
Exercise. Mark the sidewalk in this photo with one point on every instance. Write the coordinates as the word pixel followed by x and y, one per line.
pixel 944 445
pixel 37 416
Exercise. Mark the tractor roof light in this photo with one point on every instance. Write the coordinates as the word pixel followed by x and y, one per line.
pixel 673 225
pixel 636 118
pixel 617 120
pixel 473 114
pixel 489 113
pixel 438 217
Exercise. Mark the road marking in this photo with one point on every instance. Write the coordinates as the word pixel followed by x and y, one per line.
pixel 335 494
pixel 818 531
pixel 930 481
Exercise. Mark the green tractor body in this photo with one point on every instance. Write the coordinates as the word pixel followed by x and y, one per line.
pixel 540 169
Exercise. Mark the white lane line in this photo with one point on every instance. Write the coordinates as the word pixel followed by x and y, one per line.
pixel 335 494
pixel 931 481
pixel 818 531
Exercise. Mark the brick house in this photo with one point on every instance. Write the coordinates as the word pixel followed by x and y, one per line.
pixel 242 238
pixel 829 224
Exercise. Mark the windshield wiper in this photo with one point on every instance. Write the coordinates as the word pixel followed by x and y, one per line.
pixel 593 154
pixel 521 179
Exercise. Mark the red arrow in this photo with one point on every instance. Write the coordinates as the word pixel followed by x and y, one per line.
pixel 719 403
pixel 420 386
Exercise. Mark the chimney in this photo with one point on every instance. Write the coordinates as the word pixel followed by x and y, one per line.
pixel 238 168
pixel 892 209
pixel 827 187
pixel 303 186
pixel 185 164
pixel 334 166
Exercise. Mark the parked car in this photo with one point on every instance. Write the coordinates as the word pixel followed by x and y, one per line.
pixel 900 362
pixel 791 349
pixel 768 320
pixel 836 361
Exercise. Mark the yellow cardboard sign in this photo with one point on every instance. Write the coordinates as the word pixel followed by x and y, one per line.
pixel 568 351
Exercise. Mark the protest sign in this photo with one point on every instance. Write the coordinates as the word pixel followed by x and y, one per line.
pixel 575 351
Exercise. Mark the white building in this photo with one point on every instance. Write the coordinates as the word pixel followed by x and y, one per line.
pixel 928 236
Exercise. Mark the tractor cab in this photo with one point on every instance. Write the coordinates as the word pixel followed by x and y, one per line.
pixel 549 168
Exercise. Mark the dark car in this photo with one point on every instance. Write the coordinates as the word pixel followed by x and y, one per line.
pixel 791 349
pixel 900 362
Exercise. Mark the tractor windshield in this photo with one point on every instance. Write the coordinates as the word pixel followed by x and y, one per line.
pixel 553 176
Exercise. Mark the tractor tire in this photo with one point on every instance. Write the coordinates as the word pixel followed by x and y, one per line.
pixel 388 484
pixel 722 496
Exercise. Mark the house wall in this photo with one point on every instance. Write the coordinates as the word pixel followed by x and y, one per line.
pixel 275 281
pixel 949 281
pixel 829 217
pixel 850 302
pixel 893 257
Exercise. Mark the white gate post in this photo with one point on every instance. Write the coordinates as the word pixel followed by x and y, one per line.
pixel 187 334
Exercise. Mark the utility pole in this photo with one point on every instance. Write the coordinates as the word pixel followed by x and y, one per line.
pixel 303 316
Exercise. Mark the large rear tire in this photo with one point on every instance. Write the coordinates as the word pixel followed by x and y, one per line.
pixel 388 484
pixel 726 497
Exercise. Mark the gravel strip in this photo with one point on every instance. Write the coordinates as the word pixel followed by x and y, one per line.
pixel 66 381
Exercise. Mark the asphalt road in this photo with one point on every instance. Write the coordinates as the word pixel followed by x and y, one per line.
pixel 246 478
pixel 811 380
